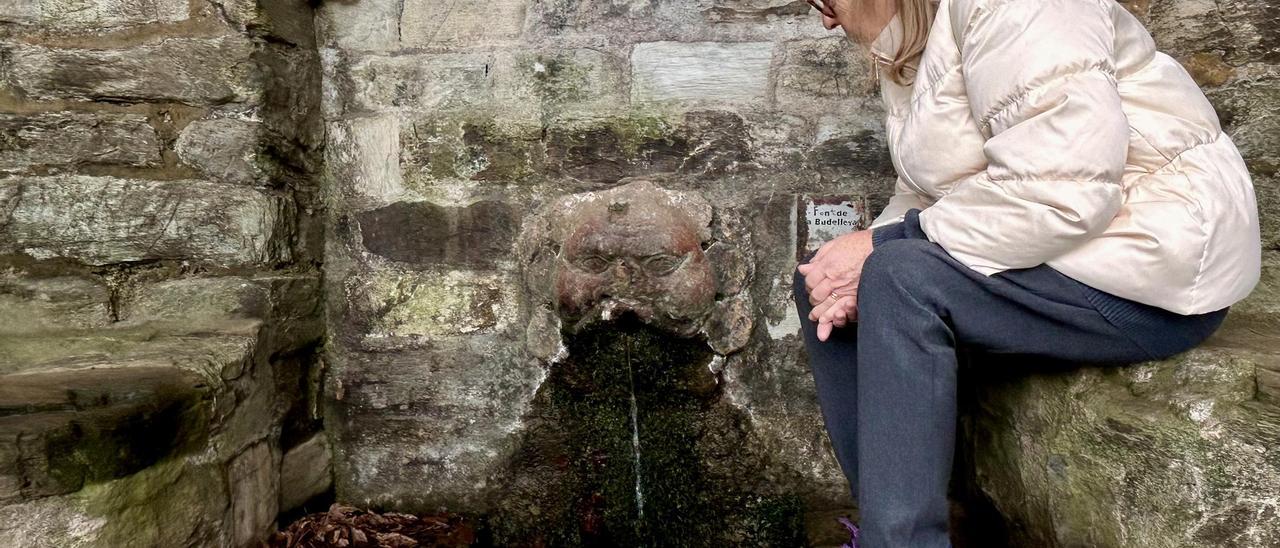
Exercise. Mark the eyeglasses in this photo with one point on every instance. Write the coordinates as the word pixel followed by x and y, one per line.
pixel 823 7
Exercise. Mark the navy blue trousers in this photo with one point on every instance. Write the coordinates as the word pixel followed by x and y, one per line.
pixel 887 384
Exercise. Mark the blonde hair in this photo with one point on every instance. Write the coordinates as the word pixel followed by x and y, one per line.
pixel 917 17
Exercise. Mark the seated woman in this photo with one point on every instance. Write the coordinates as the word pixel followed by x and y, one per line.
pixel 1064 190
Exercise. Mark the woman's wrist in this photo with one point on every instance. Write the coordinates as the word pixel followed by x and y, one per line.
pixel 908 228
pixel 885 233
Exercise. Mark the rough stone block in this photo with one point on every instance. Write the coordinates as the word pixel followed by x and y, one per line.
pixel 700 71
pixel 706 143
pixel 187 70
pixel 362 156
pixel 372 25
pixel 762 19
pixel 305 472
pixel 575 83
pixel 1245 103
pixel 196 303
pixel 252 415
pixel 429 82
pixel 63 138
pixel 636 18
pixel 104 220
pixel 1267 190
pixel 422 428
pixel 445 82
pixel 774 385
pixel 1261 309
pixel 49 304
pixel 857 151
pixel 719 143
pixel 291 21
pixel 430 305
pixel 211 355
pixel 224 149
pixel 630 21
pixel 93 13
pixel 608 149
pixel 817 74
pixel 19 11
pixel 254 477
pixel 285 306
pixel 428 23
pixel 291 113
pixel 480 235
pixel 1174 453
pixel 780 140
pixel 480 150
pixel 1244 29
pixel 297 317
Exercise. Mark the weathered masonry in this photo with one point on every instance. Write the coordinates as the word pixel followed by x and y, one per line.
pixel 160 249
pixel 260 252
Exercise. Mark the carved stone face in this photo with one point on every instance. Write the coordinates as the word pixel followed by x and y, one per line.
pixel 633 249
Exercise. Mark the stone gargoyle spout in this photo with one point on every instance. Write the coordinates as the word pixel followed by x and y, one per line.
pixel 634 249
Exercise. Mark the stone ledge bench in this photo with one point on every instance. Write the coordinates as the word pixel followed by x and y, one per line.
pixel 1182 452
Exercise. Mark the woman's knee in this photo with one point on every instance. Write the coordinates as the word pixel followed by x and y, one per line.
pixel 899 265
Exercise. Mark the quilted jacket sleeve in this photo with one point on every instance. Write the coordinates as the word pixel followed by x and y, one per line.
pixel 904 199
pixel 1040 81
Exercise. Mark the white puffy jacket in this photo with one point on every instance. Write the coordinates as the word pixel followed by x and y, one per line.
pixel 1052 131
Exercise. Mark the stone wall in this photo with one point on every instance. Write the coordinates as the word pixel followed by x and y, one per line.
pixel 159 286
pixel 448 128
pixel 174 174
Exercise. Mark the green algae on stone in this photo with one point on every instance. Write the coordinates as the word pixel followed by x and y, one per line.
pixel 557 79
pixel 582 82
pixel 71 428
pixel 174 503
pixel 1158 454
pixel 606 149
pixel 638 131
pixel 100 445
pixel 470 148
pixel 417 304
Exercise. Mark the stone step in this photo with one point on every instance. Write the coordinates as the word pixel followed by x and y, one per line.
pixel 88 406
pixel 211 354
pixel 96 386
pixel 204 324
pixel 64 429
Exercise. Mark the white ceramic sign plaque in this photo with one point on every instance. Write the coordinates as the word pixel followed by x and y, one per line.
pixel 826 218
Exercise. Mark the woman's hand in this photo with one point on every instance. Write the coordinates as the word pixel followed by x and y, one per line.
pixel 831 278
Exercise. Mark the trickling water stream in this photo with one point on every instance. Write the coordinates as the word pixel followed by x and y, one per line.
pixel 635 437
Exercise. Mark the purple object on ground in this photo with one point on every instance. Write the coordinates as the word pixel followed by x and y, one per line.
pixel 853 532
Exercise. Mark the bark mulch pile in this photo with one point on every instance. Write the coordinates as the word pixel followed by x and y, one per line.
pixel 349 527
